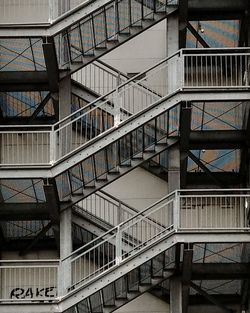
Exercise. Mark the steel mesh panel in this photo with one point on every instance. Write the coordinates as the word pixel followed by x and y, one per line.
pixel 76 178
pixel 75 43
pixel 108 295
pixel 136 12
pixel 121 288
pixel 110 20
pixel 133 280
pixel 23 104
pixel 158 265
pixel 63 186
pixel 96 303
pixel 22 190
pixel 87 37
pixel 24 229
pixel 217 253
pixel 17 54
pixel 83 306
pixel 145 273
pixel 123 15
pixel 88 170
pixel 100 163
pixel 100 28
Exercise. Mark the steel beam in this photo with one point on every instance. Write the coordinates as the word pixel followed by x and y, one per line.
pixel 197 36
pixel 51 64
pixel 183 19
pixel 23 211
pixel 185 129
pixel 200 10
pixel 51 196
pixel 39 108
pixel 219 271
pixel 217 139
pixel 186 277
pixel 24 81
pixel 228 179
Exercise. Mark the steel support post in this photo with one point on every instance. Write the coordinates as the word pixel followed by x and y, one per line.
pixel 175 295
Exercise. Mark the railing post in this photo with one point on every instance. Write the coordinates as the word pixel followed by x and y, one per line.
pixel 117 108
pixel 119 213
pixel 176 213
pixel 118 246
pixel 181 70
pixel 52 146
pixel 64 277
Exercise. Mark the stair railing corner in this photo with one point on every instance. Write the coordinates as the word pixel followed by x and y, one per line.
pixel 176 210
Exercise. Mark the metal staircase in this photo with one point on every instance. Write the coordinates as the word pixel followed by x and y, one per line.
pixel 106 27
pixel 83 34
pixel 149 254
pixel 130 258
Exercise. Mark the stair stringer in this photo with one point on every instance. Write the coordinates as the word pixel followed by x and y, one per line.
pixel 75 296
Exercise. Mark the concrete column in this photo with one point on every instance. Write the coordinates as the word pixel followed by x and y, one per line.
pixel 174 168
pixel 172 34
pixel 172 47
pixel 65 110
pixel 175 295
pixel 65 216
pixel 64 97
pixel 65 250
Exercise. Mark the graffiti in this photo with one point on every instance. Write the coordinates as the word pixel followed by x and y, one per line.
pixel 30 293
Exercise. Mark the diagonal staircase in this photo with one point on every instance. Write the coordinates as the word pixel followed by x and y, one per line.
pixel 105 27
pixel 149 254
pixel 109 250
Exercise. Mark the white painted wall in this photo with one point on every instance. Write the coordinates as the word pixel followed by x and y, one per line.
pixel 138 188
pixel 145 303
pixel 140 52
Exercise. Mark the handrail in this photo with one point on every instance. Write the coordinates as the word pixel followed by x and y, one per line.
pixel 119 87
pixel 120 225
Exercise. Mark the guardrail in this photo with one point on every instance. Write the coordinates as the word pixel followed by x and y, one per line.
pixel 186 210
pixel 179 71
pixel 29 280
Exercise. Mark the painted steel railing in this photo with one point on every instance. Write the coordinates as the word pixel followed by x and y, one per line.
pixel 187 210
pixel 137 94
pixel 29 280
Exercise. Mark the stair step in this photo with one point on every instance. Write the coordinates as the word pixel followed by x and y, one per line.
pixel 101 179
pixel 101 48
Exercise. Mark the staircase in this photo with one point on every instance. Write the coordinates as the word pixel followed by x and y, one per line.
pixel 132 257
pixel 83 34
pixel 148 256
pixel 106 27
